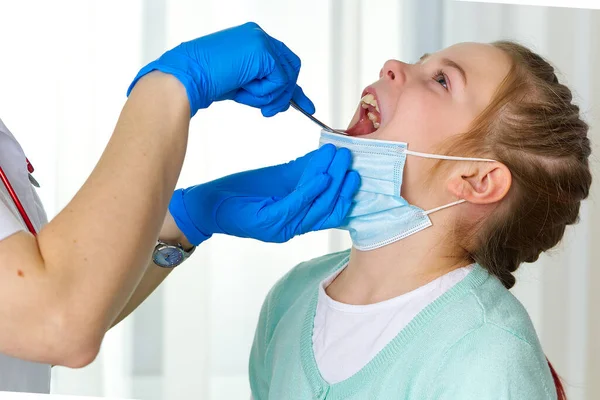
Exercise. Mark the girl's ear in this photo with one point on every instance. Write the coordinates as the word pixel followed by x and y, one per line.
pixel 481 182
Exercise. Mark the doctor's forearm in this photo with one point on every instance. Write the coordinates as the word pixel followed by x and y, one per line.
pixel 97 248
pixel 61 291
pixel 99 244
pixel 154 275
pixel 152 278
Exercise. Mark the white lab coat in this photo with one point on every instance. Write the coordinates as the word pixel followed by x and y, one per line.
pixel 18 375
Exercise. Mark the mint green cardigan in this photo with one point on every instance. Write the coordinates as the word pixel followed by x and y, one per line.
pixel 475 342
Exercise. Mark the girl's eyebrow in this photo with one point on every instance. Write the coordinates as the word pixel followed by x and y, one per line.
pixel 449 63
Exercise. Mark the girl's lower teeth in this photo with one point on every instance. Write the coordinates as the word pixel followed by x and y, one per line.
pixel 373 118
pixel 369 100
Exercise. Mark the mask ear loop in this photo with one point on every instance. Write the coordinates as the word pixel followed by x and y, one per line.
pixel 451 158
pixel 446 206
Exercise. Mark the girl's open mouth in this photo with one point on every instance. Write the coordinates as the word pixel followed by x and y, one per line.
pixel 369 115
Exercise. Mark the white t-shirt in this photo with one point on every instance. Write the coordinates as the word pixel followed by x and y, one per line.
pixel 18 375
pixel 346 337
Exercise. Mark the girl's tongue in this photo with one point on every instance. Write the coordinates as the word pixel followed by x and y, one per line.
pixel 369 118
pixel 364 126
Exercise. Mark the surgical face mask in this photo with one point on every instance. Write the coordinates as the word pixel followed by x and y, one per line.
pixel 379 215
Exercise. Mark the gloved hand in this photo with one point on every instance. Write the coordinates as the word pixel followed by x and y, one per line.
pixel 243 64
pixel 272 204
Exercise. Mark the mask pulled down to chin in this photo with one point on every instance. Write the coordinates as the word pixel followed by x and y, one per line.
pixel 379 214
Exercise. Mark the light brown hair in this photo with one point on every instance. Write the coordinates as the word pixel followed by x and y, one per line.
pixel 533 128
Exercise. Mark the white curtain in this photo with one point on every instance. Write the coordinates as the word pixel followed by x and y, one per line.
pixel 66 65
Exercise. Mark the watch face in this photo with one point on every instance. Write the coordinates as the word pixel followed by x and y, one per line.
pixel 168 256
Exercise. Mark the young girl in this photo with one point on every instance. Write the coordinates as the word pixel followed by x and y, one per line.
pixel 472 161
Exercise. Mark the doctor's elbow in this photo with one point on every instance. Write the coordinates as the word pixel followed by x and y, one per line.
pixel 79 356
pixel 74 343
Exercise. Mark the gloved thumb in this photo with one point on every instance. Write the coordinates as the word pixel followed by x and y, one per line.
pixel 302 100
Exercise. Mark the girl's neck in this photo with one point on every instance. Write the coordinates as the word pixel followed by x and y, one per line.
pixel 396 269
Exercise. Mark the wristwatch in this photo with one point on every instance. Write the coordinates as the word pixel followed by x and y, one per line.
pixel 167 255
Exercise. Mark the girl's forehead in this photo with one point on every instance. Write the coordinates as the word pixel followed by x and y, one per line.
pixel 471 53
pixel 485 66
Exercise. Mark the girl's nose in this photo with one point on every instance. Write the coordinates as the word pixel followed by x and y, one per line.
pixel 394 70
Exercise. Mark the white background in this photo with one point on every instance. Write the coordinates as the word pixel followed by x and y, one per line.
pixel 591 4
pixel 64 70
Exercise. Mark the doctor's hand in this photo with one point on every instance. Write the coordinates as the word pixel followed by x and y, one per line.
pixel 243 64
pixel 272 204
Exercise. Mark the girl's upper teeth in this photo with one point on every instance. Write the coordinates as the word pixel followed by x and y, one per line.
pixel 369 99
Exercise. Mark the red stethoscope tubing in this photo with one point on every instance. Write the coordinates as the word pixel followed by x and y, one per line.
pixel 15 198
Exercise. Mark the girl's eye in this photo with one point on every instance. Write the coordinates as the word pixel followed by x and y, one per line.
pixel 441 78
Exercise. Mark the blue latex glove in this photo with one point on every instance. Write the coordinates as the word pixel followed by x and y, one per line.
pixel 243 64
pixel 272 204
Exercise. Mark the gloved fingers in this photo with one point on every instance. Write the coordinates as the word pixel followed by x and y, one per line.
pixel 324 204
pixel 290 174
pixel 264 88
pixel 270 104
pixel 245 96
pixel 228 96
pixel 303 160
pixel 295 205
pixel 280 104
pixel 251 25
pixel 273 85
pixel 217 66
pixel 286 177
pixel 343 202
pixel 303 101
pixel 351 185
pixel 244 216
pixel 291 63
pixel 335 219
pixel 318 163
pixel 286 54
